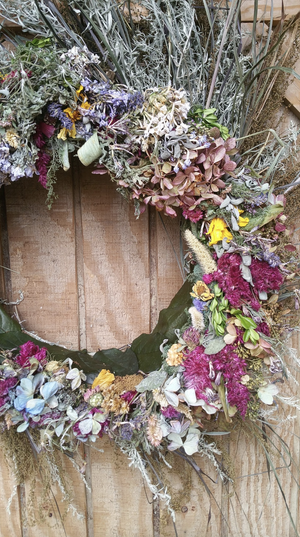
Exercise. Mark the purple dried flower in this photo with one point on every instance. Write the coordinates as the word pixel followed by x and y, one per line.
pixel 55 110
pixel 191 337
pixel 199 304
pixel 126 431
pixel 226 363
pixel 170 412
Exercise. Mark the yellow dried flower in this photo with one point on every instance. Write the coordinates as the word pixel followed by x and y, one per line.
pixel 203 257
pixel 63 133
pixel 112 402
pixel 104 379
pixel 12 138
pixel 175 356
pixel 201 291
pixel 154 431
pixel 53 366
pixel 74 115
pixel 218 231
pixel 243 221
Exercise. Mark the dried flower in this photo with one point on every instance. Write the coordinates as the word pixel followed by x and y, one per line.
pixel 12 138
pixel 201 291
pixel 112 402
pixel 154 431
pixel 203 257
pixel 218 231
pixel 104 379
pixel 175 356
pixel 197 319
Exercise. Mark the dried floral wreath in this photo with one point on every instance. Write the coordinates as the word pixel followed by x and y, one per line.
pixel 219 352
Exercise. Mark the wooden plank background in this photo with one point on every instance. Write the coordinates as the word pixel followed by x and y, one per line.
pixel 93 277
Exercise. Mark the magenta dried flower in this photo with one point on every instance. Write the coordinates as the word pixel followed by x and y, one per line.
pixel 30 350
pixel 201 370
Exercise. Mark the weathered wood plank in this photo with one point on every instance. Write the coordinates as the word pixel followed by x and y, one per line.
pixel 42 255
pixel 197 512
pixel 9 522
pixel 291 8
pixel 292 94
pixel 121 507
pixel 116 265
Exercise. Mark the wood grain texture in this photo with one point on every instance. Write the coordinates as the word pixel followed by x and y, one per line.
pixel 10 524
pixel 122 506
pixel 57 521
pixel 291 8
pixel 42 256
pixel 116 265
pixel 197 510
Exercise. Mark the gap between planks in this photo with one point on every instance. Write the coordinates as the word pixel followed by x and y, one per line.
pixel 6 287
pixel 153 268
pixel 82 337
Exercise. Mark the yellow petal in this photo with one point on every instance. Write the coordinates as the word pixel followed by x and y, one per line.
pixel 104 379
pixel 85 105
pixel 218 230
pixel 62 135
pixel 79 90
pixel 243 221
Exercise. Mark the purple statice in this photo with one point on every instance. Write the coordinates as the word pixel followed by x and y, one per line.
pixel 272 259
pixel 126 431
pixel 92 86
pixel 121 102
pixel 83 130
pixel 16 172
pixel 199 304
pixel 5 165
pixel 55 110
pixel 3 401
pixel 7 384
pixel 49 416
pixel 251 207
pixel 203 141
pixel 200 370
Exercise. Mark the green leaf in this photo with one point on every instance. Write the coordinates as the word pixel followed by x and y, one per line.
pixel 154 380
pixel 86 362
pixel 90 150
pixel 254 337
pixel 247 322
pixel 215 346
pixel 263 217
pixel 246 336
pixel 39 43
pixel 175 316
pixel 7 324
pixel 118 362
pixel 146 349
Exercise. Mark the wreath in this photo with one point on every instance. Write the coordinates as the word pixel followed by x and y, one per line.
pixel 192 138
